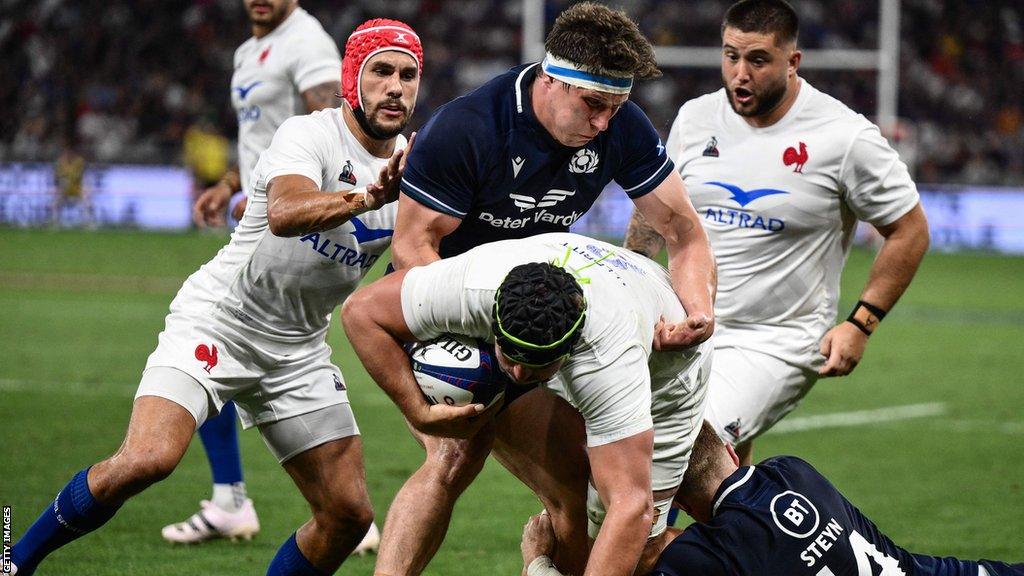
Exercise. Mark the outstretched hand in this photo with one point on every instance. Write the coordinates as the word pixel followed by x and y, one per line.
pixel 386 188
pixel 695 329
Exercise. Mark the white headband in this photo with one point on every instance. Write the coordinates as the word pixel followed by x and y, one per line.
pixel 574 75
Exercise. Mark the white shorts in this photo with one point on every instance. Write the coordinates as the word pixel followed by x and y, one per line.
pixel 750 391
pixel 286 438
pixel 268 380
pixel 679 390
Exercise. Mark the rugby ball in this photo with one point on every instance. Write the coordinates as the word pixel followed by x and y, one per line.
pixel 458 370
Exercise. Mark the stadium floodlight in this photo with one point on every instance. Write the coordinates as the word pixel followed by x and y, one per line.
pixel 885 60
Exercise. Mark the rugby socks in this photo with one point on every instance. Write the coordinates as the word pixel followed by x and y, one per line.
pixel 220 438
pixel 290 561
pixel 229 497
pixel 73 514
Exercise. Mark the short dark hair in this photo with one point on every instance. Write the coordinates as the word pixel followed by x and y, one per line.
pixel 707 452
pixel 538 304
pixel 764 17
pixel 603 41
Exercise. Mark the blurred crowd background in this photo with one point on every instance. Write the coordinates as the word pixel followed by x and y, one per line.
pixel 147 81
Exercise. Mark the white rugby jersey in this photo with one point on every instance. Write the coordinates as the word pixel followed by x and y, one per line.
pixel 286 288
pixel 607 378
pixel 780 205
pixel 271 73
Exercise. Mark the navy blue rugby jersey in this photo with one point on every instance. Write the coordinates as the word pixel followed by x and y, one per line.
pixel 484 158
pixel 783 518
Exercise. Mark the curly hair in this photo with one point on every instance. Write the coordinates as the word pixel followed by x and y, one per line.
pixel 539 303
pixel 603 41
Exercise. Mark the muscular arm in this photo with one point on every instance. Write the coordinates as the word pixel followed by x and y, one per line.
pixel 322 96
pixel 668 211
pixel 373 319
pixel 295 206
pixel 622 476
pixel 906 241
pixel 376 327
pixel 642 238
pixel 418 233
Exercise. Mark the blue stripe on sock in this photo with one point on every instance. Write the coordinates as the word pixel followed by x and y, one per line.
pixel 290 561
pixel 220 438
pixel 72 514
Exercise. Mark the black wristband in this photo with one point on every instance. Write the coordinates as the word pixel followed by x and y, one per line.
pixel 860 326
pixel 865 317
pixel 871 308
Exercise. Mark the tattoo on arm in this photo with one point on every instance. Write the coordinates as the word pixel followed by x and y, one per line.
pixel 322 96
pixel 642 238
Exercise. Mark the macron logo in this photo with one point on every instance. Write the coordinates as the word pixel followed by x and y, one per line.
pixel 517 165
pixel 553 197
pixel 744 197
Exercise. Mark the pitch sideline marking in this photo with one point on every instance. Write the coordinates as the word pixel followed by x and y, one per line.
pixel 860 417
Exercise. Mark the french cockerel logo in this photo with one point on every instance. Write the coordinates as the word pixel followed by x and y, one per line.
pixel 791 157
pixel 207 354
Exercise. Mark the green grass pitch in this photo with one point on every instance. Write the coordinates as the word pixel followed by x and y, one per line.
pixel 80 311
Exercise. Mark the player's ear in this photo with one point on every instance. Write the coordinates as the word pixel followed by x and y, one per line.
pixel 732 454
pixel 794 60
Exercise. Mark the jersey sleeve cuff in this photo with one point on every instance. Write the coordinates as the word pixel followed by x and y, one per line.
pixel 600 438
pixel 652 182
pixel 410 306
pixel 318 76
pixel 898 211
pixel 432 202
pixel 316 177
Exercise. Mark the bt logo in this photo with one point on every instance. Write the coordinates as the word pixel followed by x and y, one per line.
pixel 794 514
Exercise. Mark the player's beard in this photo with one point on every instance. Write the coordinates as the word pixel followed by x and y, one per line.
pixel 767 99
pixel 378 131
pixel 274 18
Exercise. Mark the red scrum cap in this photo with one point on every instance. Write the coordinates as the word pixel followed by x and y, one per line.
pixel 372 37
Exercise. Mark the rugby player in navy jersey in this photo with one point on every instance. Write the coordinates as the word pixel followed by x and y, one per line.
pixel 780 517
pixel 528 153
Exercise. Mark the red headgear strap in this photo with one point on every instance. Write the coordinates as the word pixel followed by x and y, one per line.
pixel 371 37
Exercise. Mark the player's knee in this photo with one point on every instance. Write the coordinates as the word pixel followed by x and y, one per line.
pixel 453 470
pixel 339 519
pixel 145 467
